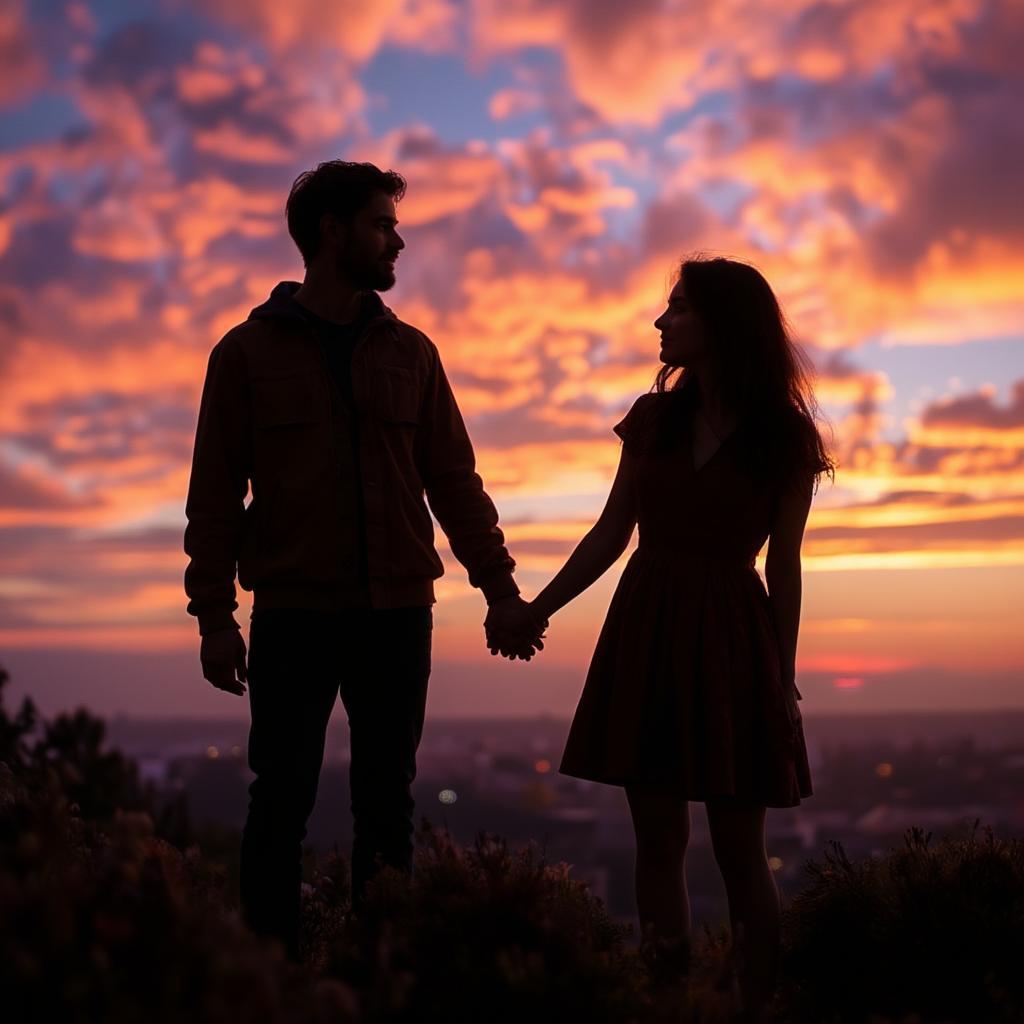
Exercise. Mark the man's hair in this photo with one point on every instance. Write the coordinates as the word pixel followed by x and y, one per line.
pixel 335 186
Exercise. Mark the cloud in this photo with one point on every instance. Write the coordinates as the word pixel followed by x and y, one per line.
pixel 430 26
pixel 106 429
pixel 25 489
pixel 119 230
pixel 357 28
pixel 974 420
pixel 860 154
pixel 838 379
pixel 24 68
pixel 511 102
pixel 960 461
pixel 113 427
pixel 978 410
pixel 171 121
pixel 92 587
pixel 673 223
pixel 629 62
pixel 443 179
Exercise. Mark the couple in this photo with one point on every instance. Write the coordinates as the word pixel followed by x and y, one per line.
pixel 342 418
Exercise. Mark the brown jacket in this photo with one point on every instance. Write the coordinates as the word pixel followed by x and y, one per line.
pixel 271 413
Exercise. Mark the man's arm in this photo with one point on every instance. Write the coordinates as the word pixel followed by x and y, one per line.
pixel 456 493
pixel 217 488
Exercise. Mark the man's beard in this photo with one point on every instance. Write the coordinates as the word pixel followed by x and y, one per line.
pixel 369 275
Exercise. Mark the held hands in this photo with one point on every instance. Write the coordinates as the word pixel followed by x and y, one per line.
pixel 513 629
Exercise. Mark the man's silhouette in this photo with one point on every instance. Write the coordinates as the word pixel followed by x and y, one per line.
pixel 342 418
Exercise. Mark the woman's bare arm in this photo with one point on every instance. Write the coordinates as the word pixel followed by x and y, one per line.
pixel 783 573
pixel 599 549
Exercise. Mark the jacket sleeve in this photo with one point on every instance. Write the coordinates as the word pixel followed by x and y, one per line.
pixel 217 488
pixel 455 491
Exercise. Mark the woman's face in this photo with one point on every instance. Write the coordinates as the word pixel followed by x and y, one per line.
pixel 683 338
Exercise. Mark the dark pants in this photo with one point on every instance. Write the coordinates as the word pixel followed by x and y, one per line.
pixel 298 660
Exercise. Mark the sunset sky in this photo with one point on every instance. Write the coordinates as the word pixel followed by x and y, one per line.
pixel 561 157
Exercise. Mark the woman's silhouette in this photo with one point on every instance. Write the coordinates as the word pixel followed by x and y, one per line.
pixel 691 692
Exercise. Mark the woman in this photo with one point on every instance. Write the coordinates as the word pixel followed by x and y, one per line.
pixel 691 692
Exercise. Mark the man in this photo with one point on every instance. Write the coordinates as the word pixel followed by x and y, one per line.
pixel 342 418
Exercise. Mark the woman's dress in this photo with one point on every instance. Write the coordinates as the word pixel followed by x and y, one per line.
pixel 685 693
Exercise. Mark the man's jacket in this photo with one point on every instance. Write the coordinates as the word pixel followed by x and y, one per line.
pixel 271 413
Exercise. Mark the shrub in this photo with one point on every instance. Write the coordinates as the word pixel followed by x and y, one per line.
pixel 931 929
pixel 67 755
pixel 485 933
pixel 116 925
pixel 101 918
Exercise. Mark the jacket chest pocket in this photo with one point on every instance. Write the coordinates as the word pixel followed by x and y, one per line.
pixel 280 402
pixel 396 394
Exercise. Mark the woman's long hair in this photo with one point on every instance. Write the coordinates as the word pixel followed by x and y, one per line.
pixel 762 376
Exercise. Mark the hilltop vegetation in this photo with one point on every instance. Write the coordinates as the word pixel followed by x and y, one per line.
pixel 114 908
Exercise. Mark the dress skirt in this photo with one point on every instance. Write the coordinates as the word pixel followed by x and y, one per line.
pixel 684 692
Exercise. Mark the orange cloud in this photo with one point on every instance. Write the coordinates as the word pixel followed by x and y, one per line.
pixel 631 63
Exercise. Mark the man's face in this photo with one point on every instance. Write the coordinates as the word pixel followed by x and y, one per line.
pixel 365 250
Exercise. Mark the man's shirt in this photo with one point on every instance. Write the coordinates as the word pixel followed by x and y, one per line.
pixel 338 341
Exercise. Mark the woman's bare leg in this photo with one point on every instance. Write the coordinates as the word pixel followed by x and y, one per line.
pixel 662 826
pixel 738 838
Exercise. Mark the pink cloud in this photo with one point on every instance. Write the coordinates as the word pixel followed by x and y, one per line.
pixel 356 29
pixel 25 489
pixel 508 103
pixel 631 62
pixel 443 179
pixel 119 230
pixel 215 74
pixel 23 66
pixel 431 26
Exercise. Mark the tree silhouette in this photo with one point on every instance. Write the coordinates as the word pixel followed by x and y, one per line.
pixel 66 756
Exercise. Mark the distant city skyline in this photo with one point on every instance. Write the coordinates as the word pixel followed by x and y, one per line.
pixel 875 776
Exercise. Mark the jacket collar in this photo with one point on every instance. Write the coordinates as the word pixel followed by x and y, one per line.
pixel 281 303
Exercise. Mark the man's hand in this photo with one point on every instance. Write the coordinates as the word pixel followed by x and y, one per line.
pixel 513 630
pixel 222 656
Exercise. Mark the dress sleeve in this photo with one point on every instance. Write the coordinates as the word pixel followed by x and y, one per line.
pixel 636 428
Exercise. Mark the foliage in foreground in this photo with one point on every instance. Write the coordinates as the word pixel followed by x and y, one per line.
pixel 107 922
pixel 102 918
pixel 484 927
pixel 114 924
pixel 932 929
pixel 485 932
